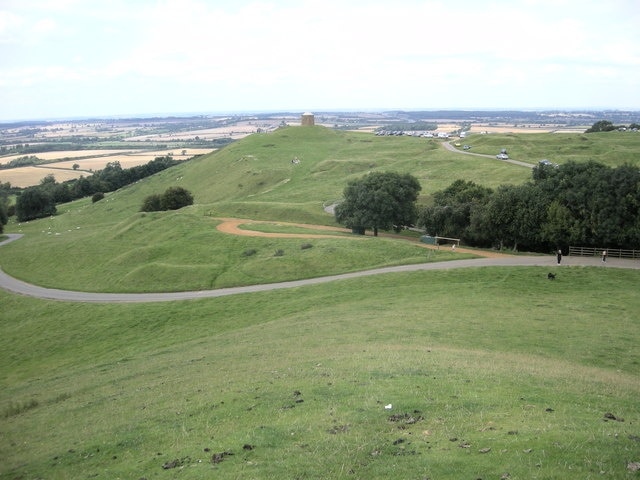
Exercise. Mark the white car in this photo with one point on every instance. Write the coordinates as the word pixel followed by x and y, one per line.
pixel 502 156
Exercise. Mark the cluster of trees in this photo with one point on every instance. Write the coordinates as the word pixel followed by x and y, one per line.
pixel 379 201
pixel 40 200
pixel 607 126
pixel 587 204
pixel 172 199
pixel 21 162
pixel 6 210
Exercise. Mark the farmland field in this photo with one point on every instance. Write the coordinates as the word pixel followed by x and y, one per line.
pixel 87 161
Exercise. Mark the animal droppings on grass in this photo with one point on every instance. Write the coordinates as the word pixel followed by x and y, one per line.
pixel 633 466
pixel 611 416
pixel 219 457
pixel 406 418
pixel 485 450
pixel 338 429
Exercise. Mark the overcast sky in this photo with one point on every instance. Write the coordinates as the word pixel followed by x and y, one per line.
pixel 78 58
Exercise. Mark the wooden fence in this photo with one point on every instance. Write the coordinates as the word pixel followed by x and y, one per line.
pixel 596 252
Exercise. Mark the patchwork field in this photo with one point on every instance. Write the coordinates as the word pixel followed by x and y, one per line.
pixel 88 161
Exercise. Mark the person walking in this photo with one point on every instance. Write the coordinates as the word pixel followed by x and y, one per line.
pixel 559 256
pixel 604 256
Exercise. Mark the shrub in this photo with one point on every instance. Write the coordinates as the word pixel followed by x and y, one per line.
pixel 248 252
pixel 172 199
pixel 152 203
pixel 278 253
pixel 175 198
pixel 306 246
pixel 97 197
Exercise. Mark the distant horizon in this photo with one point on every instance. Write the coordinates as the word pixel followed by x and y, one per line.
pixel 185 114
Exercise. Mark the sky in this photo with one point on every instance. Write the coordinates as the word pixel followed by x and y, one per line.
pixel 92 58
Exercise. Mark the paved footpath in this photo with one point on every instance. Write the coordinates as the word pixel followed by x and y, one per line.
pixel 17 286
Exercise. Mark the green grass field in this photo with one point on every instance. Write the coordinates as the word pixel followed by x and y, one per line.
pixel 490 372
pixel 609 148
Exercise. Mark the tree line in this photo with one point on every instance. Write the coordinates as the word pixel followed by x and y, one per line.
pixel 40 200
pixel 586 204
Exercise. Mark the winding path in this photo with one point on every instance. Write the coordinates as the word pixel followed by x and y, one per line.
pixel 14 285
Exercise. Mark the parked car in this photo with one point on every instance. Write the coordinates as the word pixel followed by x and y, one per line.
pixel 545 162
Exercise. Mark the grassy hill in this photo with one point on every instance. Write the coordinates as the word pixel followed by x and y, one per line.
pixel 489 373
pixel 113 247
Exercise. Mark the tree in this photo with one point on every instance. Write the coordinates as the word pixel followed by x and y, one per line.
pixel 450 214
pixel 4 217
pixel 152 203
pixel 175 198
pixel 379 200
pixel 33 203
pixel 601 126
pixel 172 199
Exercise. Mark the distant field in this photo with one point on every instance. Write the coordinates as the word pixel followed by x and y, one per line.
pixel 66 154
pixel 534 128
pixel 63 171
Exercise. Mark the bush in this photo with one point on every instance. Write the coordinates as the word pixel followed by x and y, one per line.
pixel 248 252
pixel 306 246
pixel 34 203
pixel 152 203
pixel 97 197
pixel 278 253
pixel 172 199
pixel 175 198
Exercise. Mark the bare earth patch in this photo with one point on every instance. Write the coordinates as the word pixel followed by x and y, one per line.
pixel 232 226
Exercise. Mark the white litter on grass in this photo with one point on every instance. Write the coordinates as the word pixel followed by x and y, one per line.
pixel 388 407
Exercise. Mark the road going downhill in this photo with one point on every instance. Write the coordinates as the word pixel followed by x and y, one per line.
pixel 451 148
pixel 14 285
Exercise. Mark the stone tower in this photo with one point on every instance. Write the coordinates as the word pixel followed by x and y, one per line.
pixel 307 120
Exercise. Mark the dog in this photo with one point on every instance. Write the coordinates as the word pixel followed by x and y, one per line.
pixel 551 276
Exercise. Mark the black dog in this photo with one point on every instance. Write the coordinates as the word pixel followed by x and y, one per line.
pixel 551 276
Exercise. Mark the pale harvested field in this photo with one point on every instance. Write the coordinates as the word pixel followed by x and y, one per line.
pixel 28 176
pixel 487 128
pixel 66 154
pixel 235 131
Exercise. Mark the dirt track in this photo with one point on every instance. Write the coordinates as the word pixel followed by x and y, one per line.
pixel 232 226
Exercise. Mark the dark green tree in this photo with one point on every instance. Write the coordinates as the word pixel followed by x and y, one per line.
pixel 152 203
pixel 34 202
pixel 4 217
pixel 175 198
pixel 601 126
pixel 379 200
pixel 450 214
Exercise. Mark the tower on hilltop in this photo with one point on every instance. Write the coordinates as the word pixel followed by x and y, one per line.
pixel 307 120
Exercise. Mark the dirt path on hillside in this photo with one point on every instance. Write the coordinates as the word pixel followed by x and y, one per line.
pixel 232 227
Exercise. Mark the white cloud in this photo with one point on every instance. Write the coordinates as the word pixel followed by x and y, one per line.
pixel 277 53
